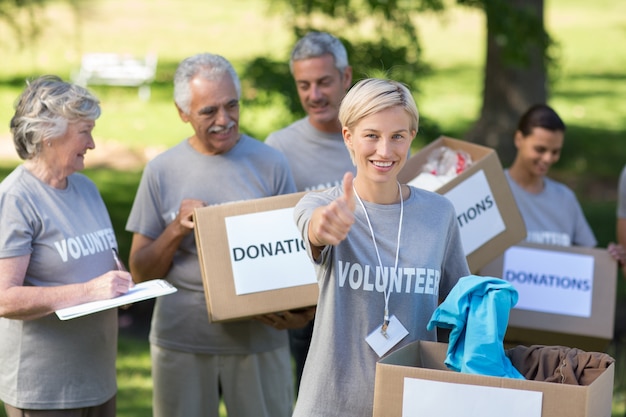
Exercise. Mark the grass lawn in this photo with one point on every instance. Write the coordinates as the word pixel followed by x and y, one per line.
pixel 587 88
pixel 134 378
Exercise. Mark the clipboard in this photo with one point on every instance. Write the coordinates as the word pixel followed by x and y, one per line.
pixel 139 292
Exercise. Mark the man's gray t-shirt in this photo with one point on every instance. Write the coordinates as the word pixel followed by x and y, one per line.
pixel 47 363
pixel 249 170
pixel 553 216
pixel 317 159
pixel 338 378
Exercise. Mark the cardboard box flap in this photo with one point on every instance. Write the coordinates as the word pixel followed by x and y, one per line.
pixel 423 354
pixel 215 263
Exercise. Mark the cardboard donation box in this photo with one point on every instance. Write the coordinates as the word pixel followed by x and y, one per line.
pixel 566 294
pixel 487 214
pixel 413 381
pixel 252 258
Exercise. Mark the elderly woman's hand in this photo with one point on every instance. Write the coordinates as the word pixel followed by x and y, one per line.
pixel 109 285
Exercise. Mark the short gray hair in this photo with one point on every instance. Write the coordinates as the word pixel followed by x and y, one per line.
pixel 45 108
pixel 315 44
pixel 209 66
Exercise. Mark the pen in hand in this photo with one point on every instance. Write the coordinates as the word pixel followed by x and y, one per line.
pixel 118 261
pixel 120 266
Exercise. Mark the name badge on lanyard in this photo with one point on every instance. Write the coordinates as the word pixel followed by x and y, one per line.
pixel 381 341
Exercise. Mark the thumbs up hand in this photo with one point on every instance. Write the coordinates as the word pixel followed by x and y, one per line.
pixel 330 224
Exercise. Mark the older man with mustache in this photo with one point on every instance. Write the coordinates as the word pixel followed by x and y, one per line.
pixel 194 361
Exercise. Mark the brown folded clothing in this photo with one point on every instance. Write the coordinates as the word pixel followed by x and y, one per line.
pixel 559 364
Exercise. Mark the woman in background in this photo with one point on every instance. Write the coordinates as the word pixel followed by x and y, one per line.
pixel 550 210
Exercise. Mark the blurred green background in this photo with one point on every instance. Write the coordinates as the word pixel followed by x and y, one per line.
pixel 587 88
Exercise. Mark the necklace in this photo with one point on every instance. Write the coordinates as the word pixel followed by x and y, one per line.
pixel 386 288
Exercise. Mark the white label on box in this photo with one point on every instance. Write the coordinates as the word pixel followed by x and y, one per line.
pixel 266 252
pixel 550 281
pixel 446 399
pixel 476 212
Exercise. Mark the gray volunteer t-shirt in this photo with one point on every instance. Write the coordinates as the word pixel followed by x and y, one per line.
pixel 317 159
pixel 338 378
pixel 48 363
pixel 249 170
pixel 554 216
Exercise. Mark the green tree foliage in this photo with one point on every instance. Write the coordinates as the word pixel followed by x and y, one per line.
pixel 517 27
pixel 515 75
pixel 382 40
pixel 380 37
pixel 22 17
pixel 25 17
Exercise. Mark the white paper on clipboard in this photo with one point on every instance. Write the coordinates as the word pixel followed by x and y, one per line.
pixel 139 292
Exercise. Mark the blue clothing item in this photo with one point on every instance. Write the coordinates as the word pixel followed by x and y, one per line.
pixel 477 310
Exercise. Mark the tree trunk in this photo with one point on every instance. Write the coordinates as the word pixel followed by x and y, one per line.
pixel 509 87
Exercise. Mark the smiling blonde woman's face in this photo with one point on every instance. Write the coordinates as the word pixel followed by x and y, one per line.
pixel 380 143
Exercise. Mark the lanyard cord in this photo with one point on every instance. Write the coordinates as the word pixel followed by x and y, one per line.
pixel 387 288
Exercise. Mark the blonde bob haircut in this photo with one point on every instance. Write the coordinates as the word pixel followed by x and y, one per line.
pixel 373 95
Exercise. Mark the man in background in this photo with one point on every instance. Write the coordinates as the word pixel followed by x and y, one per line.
pixel 314 145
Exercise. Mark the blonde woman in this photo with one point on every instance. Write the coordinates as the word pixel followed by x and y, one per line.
pixel 385 254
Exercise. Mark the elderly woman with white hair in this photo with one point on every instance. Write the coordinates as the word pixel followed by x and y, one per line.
pixel 56 251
